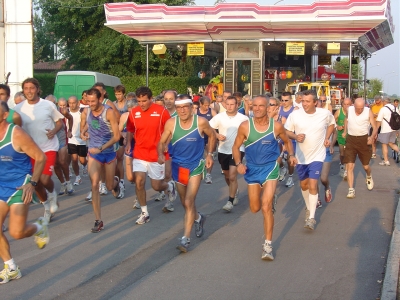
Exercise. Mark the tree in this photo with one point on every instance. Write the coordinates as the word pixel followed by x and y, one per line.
pixel 78 25
pixel 342 67
pixel 43 42
pixel 374 87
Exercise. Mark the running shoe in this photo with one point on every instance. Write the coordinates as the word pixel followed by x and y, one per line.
pixel 84 171
pixel 310 224
pixel 289 182
pixel 345 175
pixel 42 236
pixel 351 194
pixel 136 204
pixel 384 163
pixel 47 216
pixel 63 189
pixel 168 207
pixel 52 200
pixel 373 155
pixel 228 206
pixel 78 180
pixel 198 226
pixel 307 214
pixel 342 170
pixel 6 275
pixel 103 189
pixel 208 179
pixel 274 203
pixel 160 196
pixel 236 199
pixel 98 226
pixel 328 195
pixel 267 252
pixel 121 193
pixel 123 182
pixel 370 183
pixel 319 204
pixel 184 244
pixel 172 191
pixel 70 189
pixel 282 173
pixel 89 197
pixel 143 218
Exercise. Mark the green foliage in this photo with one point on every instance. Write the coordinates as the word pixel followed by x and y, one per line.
pixel 373 88
pixel 43 49
pixel 78 25
pixel 131 83
pixel 342 67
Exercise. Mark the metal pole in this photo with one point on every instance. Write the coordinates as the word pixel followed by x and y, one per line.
pixel 349 84
pixel 147 65
pixel 365 78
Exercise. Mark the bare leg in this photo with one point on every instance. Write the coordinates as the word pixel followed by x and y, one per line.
pixel 94 173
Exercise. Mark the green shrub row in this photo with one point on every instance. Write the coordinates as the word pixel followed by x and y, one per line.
pixel 131 83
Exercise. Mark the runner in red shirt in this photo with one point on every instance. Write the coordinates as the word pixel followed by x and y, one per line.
pixel 146 124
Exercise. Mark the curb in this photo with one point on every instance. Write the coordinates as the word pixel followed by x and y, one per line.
pixel 390 282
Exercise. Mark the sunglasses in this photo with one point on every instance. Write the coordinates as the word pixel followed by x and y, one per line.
pixel 285 100
pixel 323 101
pixel 273 104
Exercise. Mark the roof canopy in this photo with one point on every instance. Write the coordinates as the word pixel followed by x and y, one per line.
pixel 366 21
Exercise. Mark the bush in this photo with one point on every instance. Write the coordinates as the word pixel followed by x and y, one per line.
pixel 131 83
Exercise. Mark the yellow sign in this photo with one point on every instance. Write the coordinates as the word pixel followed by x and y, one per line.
pixel 324 60
pixel 195 49
pixel 333 48
pixel 294 48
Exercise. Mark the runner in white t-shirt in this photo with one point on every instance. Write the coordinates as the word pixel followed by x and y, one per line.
pixel 41 120
pixel 311 127
pixel 227 124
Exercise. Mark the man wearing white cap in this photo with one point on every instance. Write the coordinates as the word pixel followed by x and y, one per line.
pixel 186 133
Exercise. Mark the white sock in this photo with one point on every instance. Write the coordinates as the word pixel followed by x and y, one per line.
pixel 144 210
pixel 11 264
pixel 78 176
pixel 67 182
pixel 268 242
pixel 313 199
pixel 306 196
pixel 38 226
pixel 198 220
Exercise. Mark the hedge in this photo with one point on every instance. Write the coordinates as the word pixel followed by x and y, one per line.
pixel 131 83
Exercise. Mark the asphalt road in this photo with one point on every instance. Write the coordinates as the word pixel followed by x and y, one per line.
pixel 344 258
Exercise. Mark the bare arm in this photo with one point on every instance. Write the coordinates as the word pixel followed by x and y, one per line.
pixel 282 133
pixel 114 108
pixel 17 119
pixel 83 126
pixel 240 137
pixel 206 128
pixel 164 140
pixel 373 124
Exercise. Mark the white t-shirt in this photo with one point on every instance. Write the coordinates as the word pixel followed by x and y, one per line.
pixel 228 127
pixel 299 105
pixel 37 119
pixel 385 114
pixel 314 127
pixel 76 129
pixel 358 125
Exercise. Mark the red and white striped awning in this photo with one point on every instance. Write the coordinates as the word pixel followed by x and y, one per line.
pixel 366 21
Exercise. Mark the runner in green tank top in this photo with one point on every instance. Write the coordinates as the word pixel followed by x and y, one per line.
pixel 340 117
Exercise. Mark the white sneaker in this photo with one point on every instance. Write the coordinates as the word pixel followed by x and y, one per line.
pixel 136 204
pixel 267 252
pixel 84 171
pixel 70 189
pixel 289 182
pixel 89 197
pixel 78 180
pixel 168 207
pixel 236 199
pixel 282 173
pixel 52 200
pixel 370 183
pixel 47 216
pixel 351 194
pixel 103 189
pixel 63 189
pixel 384 163
pixel 160 196
pixel 228 206
pixel 208 179
pixel 345 175
pixel 172 191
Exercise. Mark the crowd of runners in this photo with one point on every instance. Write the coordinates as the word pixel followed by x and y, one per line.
pixel 174 140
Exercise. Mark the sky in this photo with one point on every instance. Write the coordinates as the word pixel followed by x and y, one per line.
pixel 384 64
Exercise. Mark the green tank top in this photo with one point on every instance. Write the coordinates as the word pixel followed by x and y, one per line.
pixel 10 117
pixel 341 118
pixel 174 114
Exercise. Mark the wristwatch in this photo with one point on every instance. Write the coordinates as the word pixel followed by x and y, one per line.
pixel 239 163
pixel 100 148
pixel 34 183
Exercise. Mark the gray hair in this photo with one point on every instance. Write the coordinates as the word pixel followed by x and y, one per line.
pixel 299 93
pixel 19 94
pixel 131 95
pixel 376 97
pixel 51 98
pixel 247 96
pixel 131 103
pixel 278 103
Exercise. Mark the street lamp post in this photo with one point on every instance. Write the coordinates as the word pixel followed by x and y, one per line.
pixel 383 80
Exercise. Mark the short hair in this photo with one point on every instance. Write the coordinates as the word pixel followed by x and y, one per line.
pixel 184 96
pixel 376 97
pixel 299 93
pixel 4 106
pixel 231 98
pixel 51 98
pixel 62 99
pixel 247 96
pixel 276 99
pixel 84 92
pixel 131 95
pixel 196 103
pixel 170 91
pixel 144 91
pixel 19 94
pixel 131 103
pixel 396 100
pixel 6 88
pixel 95 92
pixel 237 94
pixel 159 98
pixel 387 99
pixel 268 95
pixel 99 84
pixel 34 81
pixel 284 94
pixel 204 99
pixel 311 93
pixel 119 88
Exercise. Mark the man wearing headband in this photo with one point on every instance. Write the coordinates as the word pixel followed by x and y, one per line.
pixel 186 133
pixel 146 123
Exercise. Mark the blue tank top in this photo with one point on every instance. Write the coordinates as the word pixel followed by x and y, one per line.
pixel 285 114
pixel 186 144
pixel 261 147
pixel 15 166
pixel 207 115
pixel 100 131
pixel 121 110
